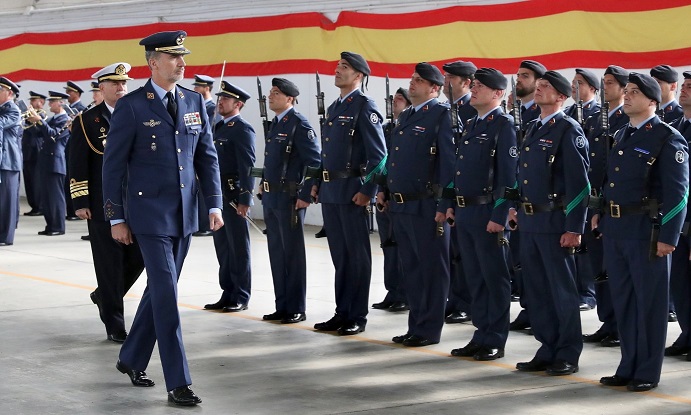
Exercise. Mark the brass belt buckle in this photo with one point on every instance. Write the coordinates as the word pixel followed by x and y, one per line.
pixel 265 185
pixel 398 197
pixel 325 176
pixel 460 201
pixel 528 208
pixel 614 210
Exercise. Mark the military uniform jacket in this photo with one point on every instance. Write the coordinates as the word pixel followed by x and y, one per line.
pixel 598 145
pixel 465 110
pixel 52 154
pixel 78 106
pixel 304 153
pixel 685 130
pixel 529 114
pixel 668 182
pixel 569 175
pixel 32 140
pixel 234 141
pixel 422 153
pixel 671 112
pixel 87 144
pixel 158 158
pixel 590 108
pixel 366 147
pixel 495 134
pixel 10 137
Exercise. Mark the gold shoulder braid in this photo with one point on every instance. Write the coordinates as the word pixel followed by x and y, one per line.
pixel 86 136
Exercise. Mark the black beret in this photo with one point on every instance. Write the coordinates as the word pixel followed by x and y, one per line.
pixel 57 95
pixel 589 77
pixel 166 42
pixel 619 73
pixel 357 62
pixel 460 68
pixel 71 86
pixel 664 73
pixel 534 66
pixel 9 85
pixel 231 91
pixel 404 92
pixel 491 78
pixel 430 73
pixel 647 84
pixel 561 84
pixel 36 95
pixel 203 80
pixel 286 87
pixel 687 75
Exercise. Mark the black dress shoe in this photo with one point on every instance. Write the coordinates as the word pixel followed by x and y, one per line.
pixel 333 324
pixel 321 233
pixel 118 337
pixel 468 350
pixel 202 233
pixel 676 350
pixel 183 396
pixel 86 237
pixel 488 353
pixel 293 318
pixel 400 339
pixel 383 305
pixel 33 213
pixel 535 365
pixel 398 306
pixel 50 233
pixel 137 377
pixel 72 218
pixel 561 368
pixel 275 316
pixel 640 385
pixel 585 307
pixel 418 341
pixel 519 325
pixel 610 341
pixel 350 328
pixel 457 317
pixel 671 318
pixel 234 308
pixel 595 337
pixel 615 380
pixel 5 243
pixel 218 305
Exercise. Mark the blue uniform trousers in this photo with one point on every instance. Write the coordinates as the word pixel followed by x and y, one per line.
pixel 459 293
pixel 9 204
pixel 603 295
pixel 680 285
pixel 287 257
pixel 517 283
pixel 425 259
pixel 484 262
pixel 232 244
pixel 32 187
pixel 53 200
pixel 351 254
pixel 641 291
pixel 552 297
pixel 158 318
pixel 393 272
pixel 585 271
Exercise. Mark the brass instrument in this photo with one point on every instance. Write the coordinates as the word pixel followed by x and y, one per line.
pixel 27 112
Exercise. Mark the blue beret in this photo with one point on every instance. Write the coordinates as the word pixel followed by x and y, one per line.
pixel 404 92
pixel 36 95
pixel 534 66
pixel 430 73
pixel 589 77
pixel 166 42
pixel 286 86
pixel 647 84
pixel 357 62
pixel 664 73
pixel 231 91
pixel 619 73
pixel 460 68
pixel 203 80
pixel 52 95
pixel 4 82
pixel 561 84
pixel 71 86
pixel 491 78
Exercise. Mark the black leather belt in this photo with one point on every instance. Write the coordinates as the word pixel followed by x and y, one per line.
pixel 279 186
pixel 409 197
pixel 463 201
pixel 328 175
pixel 532 208
pixel 616 211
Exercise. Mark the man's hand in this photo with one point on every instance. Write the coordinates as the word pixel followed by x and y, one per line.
pixel 216 221
pixel 121 233
pixel 440 217
pixel 315 193
pixel 570 240
pixel 513 219
pixel 382 203
pixel 594 222
pixel 242 210
pixel 451 217
pixel 663 249
pixel 361 199
pixel 494 227
pixel 301 204
pixel 83 213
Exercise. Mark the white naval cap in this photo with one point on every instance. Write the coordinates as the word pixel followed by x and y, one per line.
pixel 115 72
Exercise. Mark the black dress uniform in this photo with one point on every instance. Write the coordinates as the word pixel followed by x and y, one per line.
pixel 78 107
pixel 645 190
pixel 31 146
pixel 10 162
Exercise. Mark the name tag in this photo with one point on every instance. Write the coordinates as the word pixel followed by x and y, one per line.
pixel 192 118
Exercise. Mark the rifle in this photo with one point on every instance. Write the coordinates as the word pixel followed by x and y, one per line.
pixel 220 81
pixel 579 104
pixel 389 101
pixel 517 117
pixel 604 116
pixel 262 109
pixel 321 111
pixel 455 123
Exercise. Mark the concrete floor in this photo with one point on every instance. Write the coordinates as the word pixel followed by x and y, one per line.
pixel 54 358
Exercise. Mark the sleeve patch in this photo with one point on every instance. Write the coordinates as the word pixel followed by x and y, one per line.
pixel 513 152
pixel 374 118
pixel 580 141
pixel 680 156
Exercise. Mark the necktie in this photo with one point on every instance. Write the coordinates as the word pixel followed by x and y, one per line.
pixel 218 125
pixel 685 126
pixel 629 130
pixel 172 107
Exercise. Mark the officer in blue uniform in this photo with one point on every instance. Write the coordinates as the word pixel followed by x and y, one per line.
pixel 203 85
pixel 587 84
pixel 485 166
pixel 645 191
pixel 394 280
pixel 528 73
pixel 31 146
pixel 458 79
pixel 52 163
pixel 422 152
pixel 10 160
pixel 291 147
pixel 117 266
pixel 234 140
pixel 74 93
pixel 158 143
pixel 353 151
pixel 667 77
pixel 599 143
pixel 680 275
pixel 554 188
